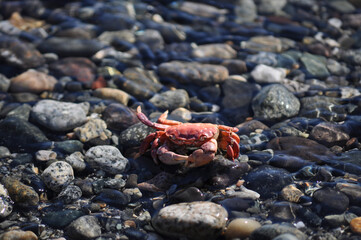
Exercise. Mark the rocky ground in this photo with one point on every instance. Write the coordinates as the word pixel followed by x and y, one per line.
pixel 287 74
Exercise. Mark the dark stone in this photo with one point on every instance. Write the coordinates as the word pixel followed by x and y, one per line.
pixel 190 194
pixel 331 201
pixel 113 198
pixel 267 180
pixel 119 117
pixel 61 218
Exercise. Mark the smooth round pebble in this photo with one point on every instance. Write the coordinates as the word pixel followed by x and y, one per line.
pixel 107 158
pixel 241 228
pixel 355 225
pixel 199 220
pixel 85 227
pixel 18 235
pixel 57 175
pixel 59 116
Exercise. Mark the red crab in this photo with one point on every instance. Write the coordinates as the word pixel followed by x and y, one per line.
pixel 173 136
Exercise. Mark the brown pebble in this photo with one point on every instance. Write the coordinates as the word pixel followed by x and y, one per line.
pixel 355 225
pixel 130 224
pixel 291 193
pixel 20 193
pixel 18 235
pixel 113 94
pixel 32 81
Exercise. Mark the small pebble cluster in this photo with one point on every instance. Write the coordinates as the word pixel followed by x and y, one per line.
pixel 286 73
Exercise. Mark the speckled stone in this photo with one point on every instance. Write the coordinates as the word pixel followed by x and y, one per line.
pixel 107 158
pixel 18 235
pixel 6 204
pixel 195 220
pixel 76 160
pixel 20 193
pixel 59 116
pixel 266 74
pixel 58 175
pixel 92 129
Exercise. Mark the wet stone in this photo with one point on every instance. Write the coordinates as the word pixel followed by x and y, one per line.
pixel 284 211
pixel 291 193
pixel 23 112
pixel 45 155
pixel 61 219
pixel 107 158
pixel 200 220
pixel 241 228
pixel 21 194
pixel 275 102
pixel 85 227
pixel 193 72
pixel 58 175
pixel 94 128
pixel 352 191
pixel 331 201
pixel 112 197
pixel 170 100
pixel 237 93
pixel 18 234
pixel 190 194
pixel 4 83
pixel 315 65
pixel 330 133
pixel 119 117
pixel 267 180
pixel 17 133
pixel 32 81
pixel 270 231
pixel 59 116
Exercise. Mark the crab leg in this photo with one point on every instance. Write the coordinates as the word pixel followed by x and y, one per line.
pixel 204 155
pixel 166 156
pixel 141 116
pixel 230 141
pixel 163 119
pixel 227 128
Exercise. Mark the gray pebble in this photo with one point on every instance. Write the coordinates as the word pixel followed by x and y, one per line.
pixel 76 160
pixel 107 158
pixel 170 100
pixel 59 116
pixel 85 227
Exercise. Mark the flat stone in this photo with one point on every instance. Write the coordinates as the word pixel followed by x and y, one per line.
pixel 171 99
pixel 85 227
pixel 112 94
pixel 355 225
pixel 94 128
pixel 195 220
pixel 266 74
pixel 270 231
pixel 218 50
pixel 18 235
pixel 21 194
pixel 59 116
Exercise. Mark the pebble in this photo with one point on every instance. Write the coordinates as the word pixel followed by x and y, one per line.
pixel 17 133
pixel 330 133
pixel 112 94
pixel 58 175
pixel 76 161
pixel 107 158
pixel 315 65
pixel 266 74
pixel 335 205
pixel 18 235
pixel 275 102
pixel 94 128
pixel 241 228
pixel 70 194
pixel 85 227
pixel 355 225
pixel 238 94
pixel 62 218
pixel 267 180
pixel 45 155
pixel 291 193
pixel 201 220
pixel 81 69
pixel 119 117
pixel 219 50
pixel 170 100
pixel 113 197
pixel 59 116
pixel 6 204
pixel 195 73
pixel 21 194
pixel 32 81
pixel 270 231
